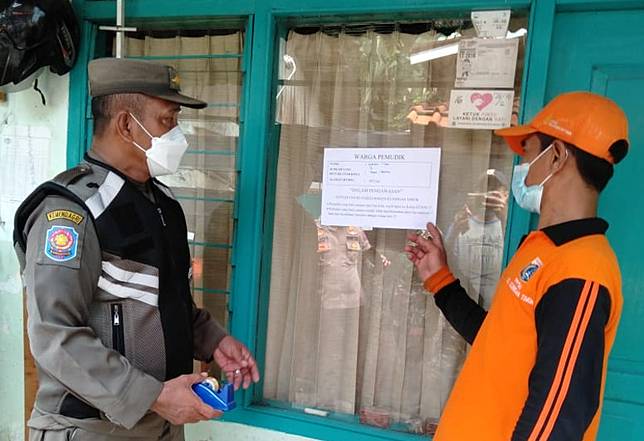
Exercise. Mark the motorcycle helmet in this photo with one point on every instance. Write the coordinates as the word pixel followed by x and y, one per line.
pixel 35 34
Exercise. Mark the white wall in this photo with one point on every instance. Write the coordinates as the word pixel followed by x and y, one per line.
pixel 218 431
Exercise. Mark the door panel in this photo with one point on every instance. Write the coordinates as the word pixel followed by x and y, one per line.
pixel 602 52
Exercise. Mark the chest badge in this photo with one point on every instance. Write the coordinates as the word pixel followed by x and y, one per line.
pixel 528 271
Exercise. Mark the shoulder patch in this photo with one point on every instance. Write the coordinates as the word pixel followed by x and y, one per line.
pixel 61 243
pixel 65 214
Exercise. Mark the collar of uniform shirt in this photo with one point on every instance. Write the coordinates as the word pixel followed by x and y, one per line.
pixel 565 232
pixel 143 187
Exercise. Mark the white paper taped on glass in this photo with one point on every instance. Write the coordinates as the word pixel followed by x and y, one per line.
pixel 484 63
pixel 380 187
pixel 491 24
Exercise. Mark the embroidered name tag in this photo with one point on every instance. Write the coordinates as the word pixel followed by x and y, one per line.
pixel 61 244
pixel 65 214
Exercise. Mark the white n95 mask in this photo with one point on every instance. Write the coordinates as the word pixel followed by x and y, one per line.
pixel 165 152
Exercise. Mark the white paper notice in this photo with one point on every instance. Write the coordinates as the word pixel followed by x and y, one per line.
pixel 24 153
pixel 491 23
pixel 486 63
pixel 24 164
pixel 380 187
pixel 480 109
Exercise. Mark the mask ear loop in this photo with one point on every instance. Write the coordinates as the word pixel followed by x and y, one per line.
pixel 145 130
pixel 540 155
pixel 141 125
pixel 553 173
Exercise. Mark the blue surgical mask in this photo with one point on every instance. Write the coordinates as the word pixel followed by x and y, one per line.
pixel 528 198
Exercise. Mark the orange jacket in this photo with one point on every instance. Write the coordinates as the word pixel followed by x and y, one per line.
pixel 537 366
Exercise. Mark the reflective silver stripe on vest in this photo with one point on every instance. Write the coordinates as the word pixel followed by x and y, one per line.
pixel 106 193
pixel 126 292
pixel 121 275
pixel 128 279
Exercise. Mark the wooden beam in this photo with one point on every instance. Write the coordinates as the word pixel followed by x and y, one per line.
pixel 31 375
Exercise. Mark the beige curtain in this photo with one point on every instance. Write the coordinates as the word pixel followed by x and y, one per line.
pixel 391 350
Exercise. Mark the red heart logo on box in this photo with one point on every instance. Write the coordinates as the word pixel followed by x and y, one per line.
pixel 481 100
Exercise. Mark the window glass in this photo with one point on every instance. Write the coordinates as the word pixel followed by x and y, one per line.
pixel 351 331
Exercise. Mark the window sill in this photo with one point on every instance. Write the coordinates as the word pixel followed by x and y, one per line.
pixel 298 423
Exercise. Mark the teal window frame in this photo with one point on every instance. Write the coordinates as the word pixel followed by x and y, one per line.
pixel 267 21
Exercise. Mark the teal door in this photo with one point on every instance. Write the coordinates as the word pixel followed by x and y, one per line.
pixel 604 53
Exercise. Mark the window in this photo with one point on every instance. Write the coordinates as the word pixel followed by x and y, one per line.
pixel 209 65
pixel 351 331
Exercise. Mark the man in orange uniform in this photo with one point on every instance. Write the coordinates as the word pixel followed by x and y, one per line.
pixel 537 366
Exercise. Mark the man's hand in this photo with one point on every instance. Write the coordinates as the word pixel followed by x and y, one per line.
pixel 235 360
pixel 178 403
pixel 428 255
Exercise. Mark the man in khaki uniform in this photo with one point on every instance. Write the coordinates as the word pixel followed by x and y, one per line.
pixel 106 266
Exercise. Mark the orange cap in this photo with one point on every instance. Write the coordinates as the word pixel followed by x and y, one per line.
pixel 586 120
